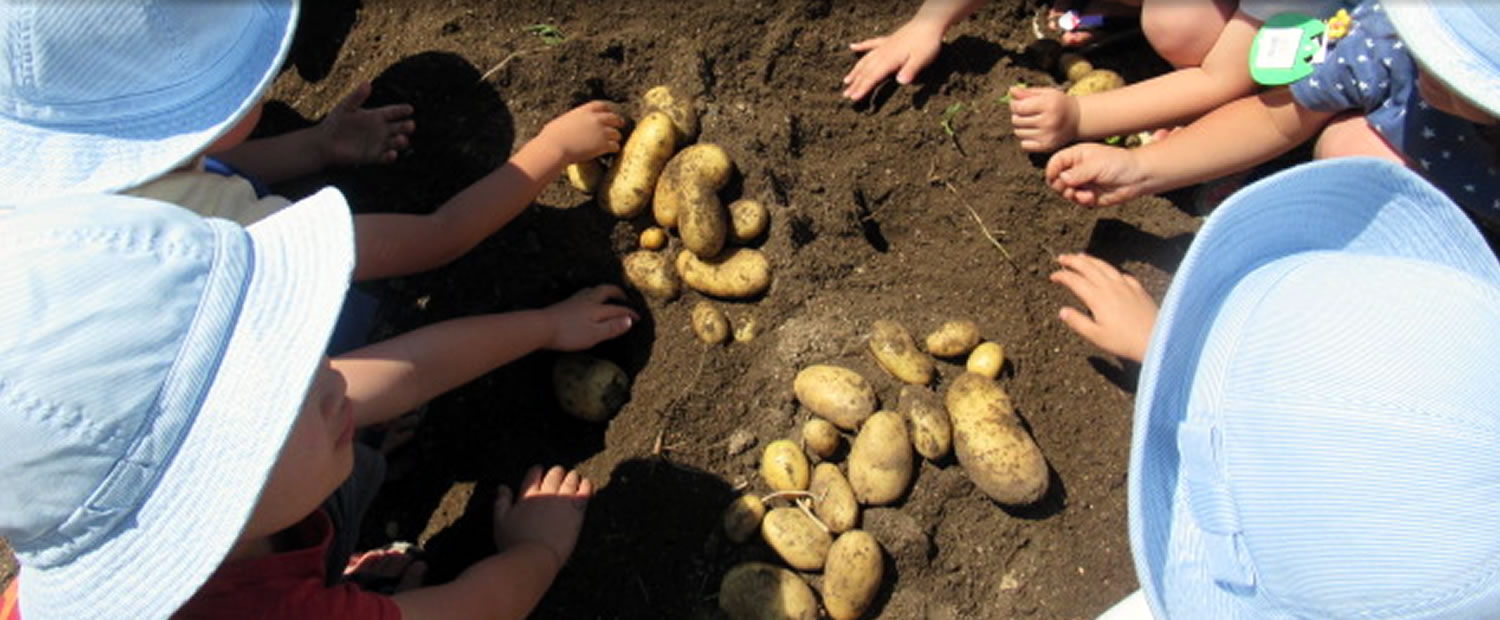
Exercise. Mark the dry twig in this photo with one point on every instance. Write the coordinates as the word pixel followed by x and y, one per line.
pixel 982 229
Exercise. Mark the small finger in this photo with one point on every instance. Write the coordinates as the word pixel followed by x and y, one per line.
pixel 867 44
pixel 532 480
pixel 395 112
pixel 504 500
pixel 570 483
pixel 356 98
pixel 1080 286
pixel 585 489
pixel 554 478
pixel 1080 323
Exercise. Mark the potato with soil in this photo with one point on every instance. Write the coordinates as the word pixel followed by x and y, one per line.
pixel 651 274
pixel 880 461
pixel 953 338
pixel 821 437
pixel 986 359
pixel 740 273
pixel 833 499
pixel 1096 81
pixel 760 591
pixel 784 466
pixel 688 196
pixel 709 323
pixel 742 517
pixel 584 176
pixel 748 220
pixel 653 238
pixel 1074 66
pixel 897 353
pixel 678 106
pixel 931 432
pixel 994 449
pixel 589 388
pixel 628 184
pixel 852 575
pixel 796 537
pixel 837 394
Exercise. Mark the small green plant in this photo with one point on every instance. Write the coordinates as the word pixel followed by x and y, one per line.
pixel 1006 98
pixel 948 115
pixel 549 34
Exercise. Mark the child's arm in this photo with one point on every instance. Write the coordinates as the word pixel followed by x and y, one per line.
pixel 1046 119
pixel 1235 137
pixel 389 378
pixel 910 48
pixel 349 135
pixel 393 244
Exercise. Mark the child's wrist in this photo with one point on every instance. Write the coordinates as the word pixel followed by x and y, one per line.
pixel 545 550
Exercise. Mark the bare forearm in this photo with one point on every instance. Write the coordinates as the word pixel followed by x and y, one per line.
pixel 946 12
pixel 505 585
pixel 278 158
pixel 1235 137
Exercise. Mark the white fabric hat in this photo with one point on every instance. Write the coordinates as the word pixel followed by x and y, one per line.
pixel 1457 40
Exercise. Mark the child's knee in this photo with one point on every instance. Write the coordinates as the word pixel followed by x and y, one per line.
pixel 1349 135
pixel 1184 33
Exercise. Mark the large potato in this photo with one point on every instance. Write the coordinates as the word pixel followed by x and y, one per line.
pixel 837 394
pixel 821 436
pixel 880 461
pixel 953 339
pixel 748 220
pixel 687 196
pixel 678 106
pixel 630 181
pixel 931 433
pixel 897 353
pixel 993 447
pixel 760 591
pixel 737 274
pixel 650 273
pixel 1096 81
pixel 589 388
pixel 784 466
pixel 709 323
pixel 742 517
pixel 833 498
pixel 852 576
pixel 799 540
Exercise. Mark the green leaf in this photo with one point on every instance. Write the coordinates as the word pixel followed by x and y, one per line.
pixel 549 34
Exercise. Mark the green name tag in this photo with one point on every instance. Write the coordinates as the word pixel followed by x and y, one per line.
pixel 1286 48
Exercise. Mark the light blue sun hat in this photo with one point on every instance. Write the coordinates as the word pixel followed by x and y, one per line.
pixel 1317 428
pixel 1457 40
pixel 152 364
pixel 103 96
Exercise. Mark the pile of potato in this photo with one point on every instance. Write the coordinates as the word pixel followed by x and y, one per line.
pixel 817 527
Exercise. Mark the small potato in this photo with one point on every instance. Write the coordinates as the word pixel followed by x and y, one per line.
pixel 678 106
pixel 589 388
pixel 837 394
pixel 852 575
pixel 833 498
pixel 629 183
pixel 987 359
pixel 761 591
pixel 799 540
pixel 897 353
pixel 994 449
pixel 931 433
pixel 649 273
pixel 1074 66
pixel 709 323
pixel 584 176
pixel 821 436
pixel 742 517
pixel 880 462
pixel 653 238
pixel 688 196
pixel 745 328
pixel 784 466
pixel 953 339
pixel 737 274
pixel 748 220
pixel 1096 81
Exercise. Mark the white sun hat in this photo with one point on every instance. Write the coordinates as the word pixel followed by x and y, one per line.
pixel 1457 40
pixel 152 364
pixel 1318 416
pixel 103 96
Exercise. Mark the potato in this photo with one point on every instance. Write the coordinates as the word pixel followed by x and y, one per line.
pixel 837 394
pixel 653 238
pixel 821 436
pixel 649 273
pixel 931 433
pixel 986 359
pixel 748 220
pixel 745 328
pixel 852 576
pixel 628 184
pixel 742 517
pixel 678 106
pixel 584 176
pixel 799 540
pixel 953 338
pixel 1074 66
pixel 833 498
pixel 897 353
pixel 687 196
pixel 880 462
pixel 784 466
pixel 737 274
pixel 1096 81
pixel 761 591
pixel 589 388
pixel 709 323
pixel 993 447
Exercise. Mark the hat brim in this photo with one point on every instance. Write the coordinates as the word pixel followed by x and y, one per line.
pixel 1353 205
pixel 1456 41
pixel 303 257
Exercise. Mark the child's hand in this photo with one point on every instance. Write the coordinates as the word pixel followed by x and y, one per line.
pixel 586 318
pixel 549 512
pixel 1121 313
pixel 1045 119
pixel 585 132
pixel 911 48
pixel 1096 175
pixel 351 135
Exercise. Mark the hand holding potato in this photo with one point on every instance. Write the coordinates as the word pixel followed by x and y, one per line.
pixel 585 132
pixel 586 318
pixel 1044 119
pixel 905 52
pixel 1121 313
pixel 1098 175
